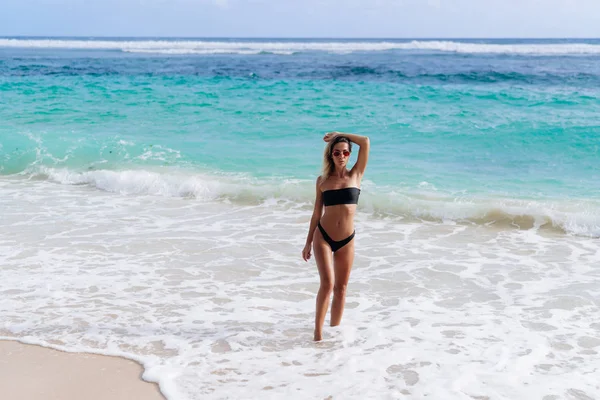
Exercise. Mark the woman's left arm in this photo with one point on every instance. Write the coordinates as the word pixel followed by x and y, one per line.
pixel 363 153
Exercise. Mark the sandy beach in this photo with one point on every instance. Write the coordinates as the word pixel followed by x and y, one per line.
pixel 29 372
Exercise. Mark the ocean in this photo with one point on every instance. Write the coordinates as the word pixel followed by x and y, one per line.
pixel 156 195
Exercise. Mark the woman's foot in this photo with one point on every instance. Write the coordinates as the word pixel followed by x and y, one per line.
pixel 318 336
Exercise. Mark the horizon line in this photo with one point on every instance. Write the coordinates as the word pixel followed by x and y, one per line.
pixel 305 37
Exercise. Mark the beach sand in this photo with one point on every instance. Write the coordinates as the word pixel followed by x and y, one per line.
pixel 29 372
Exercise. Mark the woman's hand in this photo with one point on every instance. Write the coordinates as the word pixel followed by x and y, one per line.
pixel 329 136
pixel 306 252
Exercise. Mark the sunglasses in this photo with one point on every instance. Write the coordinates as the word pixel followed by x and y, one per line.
pixel 337 153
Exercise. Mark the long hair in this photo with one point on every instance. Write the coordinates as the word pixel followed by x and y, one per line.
pixel 328 165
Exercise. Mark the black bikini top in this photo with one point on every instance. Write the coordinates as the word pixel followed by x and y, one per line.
pixel 347 195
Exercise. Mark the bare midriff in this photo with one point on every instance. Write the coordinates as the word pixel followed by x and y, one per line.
pixel 338 220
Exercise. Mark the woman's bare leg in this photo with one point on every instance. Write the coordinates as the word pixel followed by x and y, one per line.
pixel 342 265
pixel 324 259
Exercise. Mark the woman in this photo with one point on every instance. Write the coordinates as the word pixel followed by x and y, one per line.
pixel 338 190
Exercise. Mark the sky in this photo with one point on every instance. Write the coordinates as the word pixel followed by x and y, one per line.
pixel 303 18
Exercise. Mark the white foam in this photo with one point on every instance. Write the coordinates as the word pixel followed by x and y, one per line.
pixel 208 51
pixel 184 183
pixel 573 216
pixel 289 47
pixel 216 303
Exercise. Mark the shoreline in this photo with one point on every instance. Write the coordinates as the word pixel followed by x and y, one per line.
pixel 34 372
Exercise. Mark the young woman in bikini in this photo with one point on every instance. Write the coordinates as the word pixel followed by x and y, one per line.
pixel 331 230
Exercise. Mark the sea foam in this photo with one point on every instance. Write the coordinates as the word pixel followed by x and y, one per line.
pixel 573 216
pixel 289 47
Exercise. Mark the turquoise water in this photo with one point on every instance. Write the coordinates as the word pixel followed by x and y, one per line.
pixel 513 121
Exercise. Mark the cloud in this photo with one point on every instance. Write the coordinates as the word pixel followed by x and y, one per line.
pixel 221 3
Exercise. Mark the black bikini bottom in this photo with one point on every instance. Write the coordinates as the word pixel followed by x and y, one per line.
pixel 335 245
